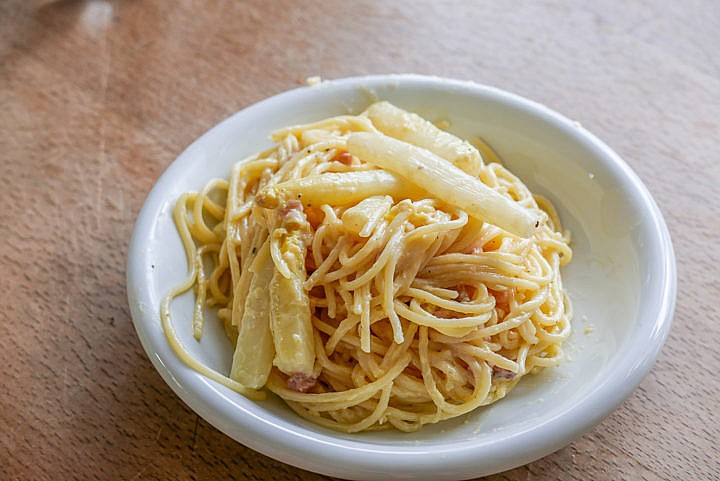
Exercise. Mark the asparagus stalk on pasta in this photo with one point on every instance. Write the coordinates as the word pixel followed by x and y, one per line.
pixel 362 218
pixel 290 319
pixel 413 129
pixel 444 181
pixel 337 189
pixel 254 349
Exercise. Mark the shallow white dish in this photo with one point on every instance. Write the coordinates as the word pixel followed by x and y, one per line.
pixel 622 282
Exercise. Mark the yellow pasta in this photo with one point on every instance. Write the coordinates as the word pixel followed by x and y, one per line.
pixel 368 295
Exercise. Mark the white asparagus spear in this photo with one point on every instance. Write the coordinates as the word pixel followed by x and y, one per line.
pixel 362 218
pixel 444 181
pixel 338 189
pixel 290 319
pixel 254 350
pixel 413 129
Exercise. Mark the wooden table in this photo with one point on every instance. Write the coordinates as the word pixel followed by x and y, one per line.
pixel 98 97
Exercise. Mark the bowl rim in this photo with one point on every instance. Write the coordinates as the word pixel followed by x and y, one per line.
pixel 357 459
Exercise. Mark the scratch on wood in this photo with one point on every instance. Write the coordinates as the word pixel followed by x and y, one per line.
pixel 194 439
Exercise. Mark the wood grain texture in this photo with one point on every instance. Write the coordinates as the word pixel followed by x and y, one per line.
pixel 98 97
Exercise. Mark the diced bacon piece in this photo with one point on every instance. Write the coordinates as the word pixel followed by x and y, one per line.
pixel 502 297
pixel 315 216
pixel 345 158
pixel 300 382
pixel 445 313
pixel 501 373
pixel 291 214
pixel 465 293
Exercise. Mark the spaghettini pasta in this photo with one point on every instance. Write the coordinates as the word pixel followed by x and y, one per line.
pixel 374 271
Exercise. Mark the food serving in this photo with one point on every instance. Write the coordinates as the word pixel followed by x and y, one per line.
pixel 375 271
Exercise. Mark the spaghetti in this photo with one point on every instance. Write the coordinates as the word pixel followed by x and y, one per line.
pixel 373 271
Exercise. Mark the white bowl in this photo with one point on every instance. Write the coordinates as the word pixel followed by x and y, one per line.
pixel 622 283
